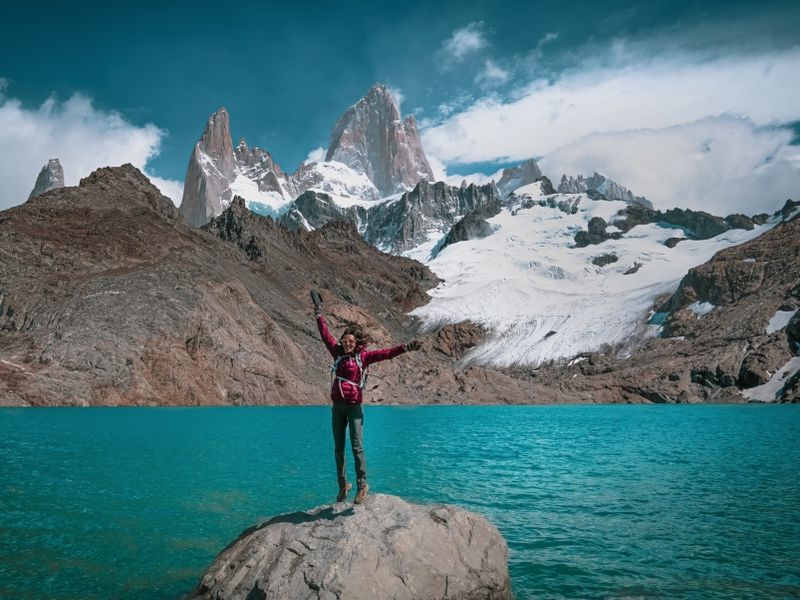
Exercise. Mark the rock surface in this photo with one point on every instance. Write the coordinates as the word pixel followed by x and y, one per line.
pixel 210 171
pixel 428 211
pixel 50 177
pixel 215 166
pixel 371 138
pixel 608 188
pixel 385 548
pixel 516 177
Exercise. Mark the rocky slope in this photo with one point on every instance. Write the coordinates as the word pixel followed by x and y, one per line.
pixel 719 340
pixel 385 548
pixel 50 177
pixel 108 297
pixel 371 138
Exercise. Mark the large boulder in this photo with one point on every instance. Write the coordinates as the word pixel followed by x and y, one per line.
pixel 385 548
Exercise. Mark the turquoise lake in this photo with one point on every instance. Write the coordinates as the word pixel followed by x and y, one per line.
pixel 656 501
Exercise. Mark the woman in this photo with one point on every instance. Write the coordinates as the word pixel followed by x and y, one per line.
pixel 348 378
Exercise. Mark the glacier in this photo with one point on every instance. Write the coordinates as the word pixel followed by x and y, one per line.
pixel 541 299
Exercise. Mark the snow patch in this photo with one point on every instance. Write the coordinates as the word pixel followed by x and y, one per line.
pixel 769 391
pixel 345 186
pixel 267 203
pixel 701 308
pixel 780 320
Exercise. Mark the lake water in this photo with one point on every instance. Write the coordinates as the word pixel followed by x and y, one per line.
pixel 595 501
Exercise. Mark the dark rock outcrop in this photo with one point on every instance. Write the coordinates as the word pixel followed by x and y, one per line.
pixel 472 226
pixel 673 241
pixel 595 233
pixel 429 207
pixel 51 177
pixel 311 210
pixel 385 548
pixel 605 259
pixel 371 138
pixel 396 225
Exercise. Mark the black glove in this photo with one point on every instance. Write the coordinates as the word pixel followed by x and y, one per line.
pixel 413 345
pixel 317 300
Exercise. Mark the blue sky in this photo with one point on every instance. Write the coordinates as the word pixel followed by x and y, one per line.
pixel 688 103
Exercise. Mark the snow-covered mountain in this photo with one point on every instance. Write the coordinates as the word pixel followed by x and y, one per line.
pixel 516 177
pixel 609 188
pixel 50 177
pixel 372 154
pixel 371 138
pixel 542 297
pixel 216 173
pixel 417 219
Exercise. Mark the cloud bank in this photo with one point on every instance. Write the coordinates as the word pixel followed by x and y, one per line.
pixel 644 124
pixel 81 136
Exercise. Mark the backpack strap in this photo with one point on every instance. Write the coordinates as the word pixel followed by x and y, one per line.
pixel 362 383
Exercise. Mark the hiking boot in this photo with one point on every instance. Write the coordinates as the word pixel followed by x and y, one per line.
pixel 362 494
pixel 343 491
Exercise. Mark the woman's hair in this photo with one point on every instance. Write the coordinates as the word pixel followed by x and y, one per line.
pixel 357 332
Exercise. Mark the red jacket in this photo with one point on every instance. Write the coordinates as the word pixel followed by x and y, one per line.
pixel 345 391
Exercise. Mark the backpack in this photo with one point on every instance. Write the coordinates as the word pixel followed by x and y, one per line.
pixel 334 377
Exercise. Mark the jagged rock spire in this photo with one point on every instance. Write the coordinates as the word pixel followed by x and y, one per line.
pixel 371 138
pixel 211 169
pixel 215 166
pixel 50 177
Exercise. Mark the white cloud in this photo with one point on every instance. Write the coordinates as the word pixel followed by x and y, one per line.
pixel 535 55
pixel 316 155
pixel 464 41
pixel 81 136
pixel 476 178
pixel 717 164
pixel 546 116
pixel 397 95
pixel 171 188
pixel 491 74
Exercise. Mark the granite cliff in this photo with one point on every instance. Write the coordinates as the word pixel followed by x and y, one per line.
pixel 371 138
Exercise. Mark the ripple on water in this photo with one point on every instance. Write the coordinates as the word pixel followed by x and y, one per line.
pixel 594 501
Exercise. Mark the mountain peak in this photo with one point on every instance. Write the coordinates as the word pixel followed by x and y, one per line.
pixel 50 177
pixel 371 139
pixel 216 138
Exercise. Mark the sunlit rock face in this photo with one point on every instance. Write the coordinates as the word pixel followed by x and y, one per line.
pixel 371 138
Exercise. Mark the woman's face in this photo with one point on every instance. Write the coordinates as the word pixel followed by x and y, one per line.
pixel 348 342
